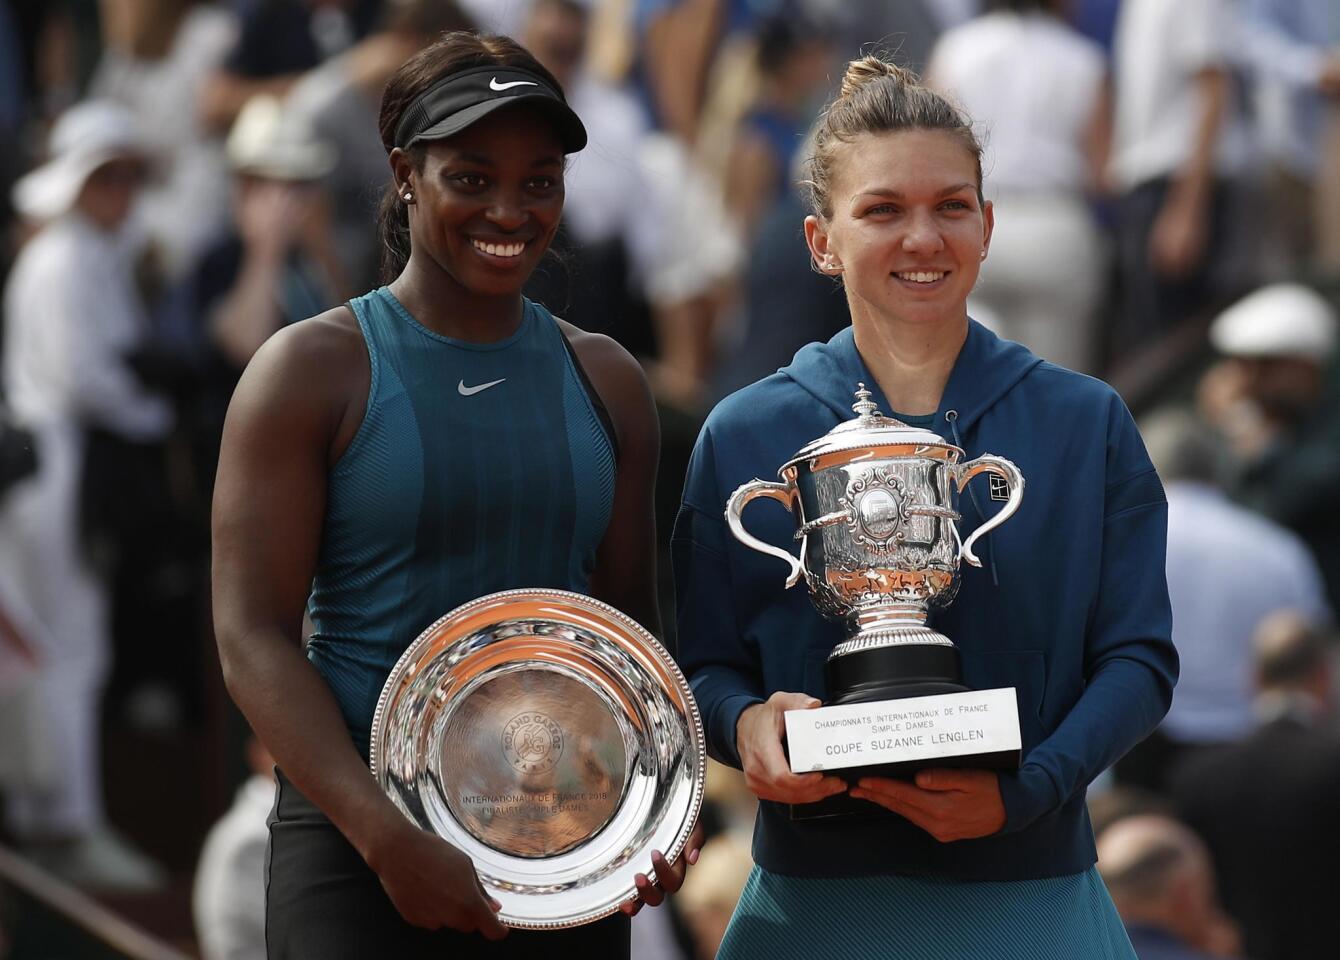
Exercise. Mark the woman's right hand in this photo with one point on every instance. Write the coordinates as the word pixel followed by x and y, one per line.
pixel 434 885
pixel 758 740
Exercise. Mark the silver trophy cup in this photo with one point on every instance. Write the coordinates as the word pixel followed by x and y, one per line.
pixel 873 502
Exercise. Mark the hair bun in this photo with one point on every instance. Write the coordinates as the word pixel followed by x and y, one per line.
pixel 869 69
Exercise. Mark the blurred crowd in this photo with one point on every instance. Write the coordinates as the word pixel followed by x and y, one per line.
pixel 180 179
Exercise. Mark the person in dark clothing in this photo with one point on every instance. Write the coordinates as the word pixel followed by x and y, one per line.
pixel 1162 882
pixel 1267 807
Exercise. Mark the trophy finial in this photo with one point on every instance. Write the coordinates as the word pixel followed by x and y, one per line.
pixel 864 406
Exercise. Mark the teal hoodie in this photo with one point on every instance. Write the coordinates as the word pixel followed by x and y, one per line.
pixel 1070 606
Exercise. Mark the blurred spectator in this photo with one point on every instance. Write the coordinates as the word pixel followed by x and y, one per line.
pixel 1039 88
pixel 1275 398
pixel 1178 144
pixel 1294 48
pixel 72 317
pixel 279 266
pixel 279 41
pixel 1162 883
pixel 712 889
pixel 612 233
pixel 25 763
pixel 786 303
pixel 794 57
pixel 229 896
pixel 1107 806
pixel 907 29
pixel 338 102
pixel 507 17
pixel 276 265
pixel 1096 19
pixel 1267 807
pixel 13 113
pixel 1216 608
pixel 157 55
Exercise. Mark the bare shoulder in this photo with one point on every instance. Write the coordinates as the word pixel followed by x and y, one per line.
pixel 606 361
pixel 320 348
pixel 312 372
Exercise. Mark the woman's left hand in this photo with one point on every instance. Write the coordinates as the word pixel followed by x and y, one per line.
pixel 947 804
pixel 669 877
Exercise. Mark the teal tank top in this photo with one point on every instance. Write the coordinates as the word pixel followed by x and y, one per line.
pixel 477 468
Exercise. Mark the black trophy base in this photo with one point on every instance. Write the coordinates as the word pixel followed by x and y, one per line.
pixel 895 673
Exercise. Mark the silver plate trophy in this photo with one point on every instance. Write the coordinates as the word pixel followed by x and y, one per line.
pixel 553 740
pixel 874 507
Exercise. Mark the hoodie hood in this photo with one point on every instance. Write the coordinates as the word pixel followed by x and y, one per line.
pixel 987 368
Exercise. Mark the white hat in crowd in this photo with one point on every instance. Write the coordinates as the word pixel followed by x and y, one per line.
pixel 1279 320
pixel 265 141
pixel 87 136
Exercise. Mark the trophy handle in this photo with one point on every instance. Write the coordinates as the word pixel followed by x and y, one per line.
pixel 782 493
pixel 1014 480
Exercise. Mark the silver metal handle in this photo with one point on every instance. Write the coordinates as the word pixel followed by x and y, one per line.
pixel 1014 480
pixel 782 493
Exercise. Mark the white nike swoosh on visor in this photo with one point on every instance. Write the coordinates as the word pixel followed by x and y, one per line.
pixel 465 391
pixel 495 85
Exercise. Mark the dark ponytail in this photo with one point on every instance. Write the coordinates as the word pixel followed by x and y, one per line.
pixel 453 52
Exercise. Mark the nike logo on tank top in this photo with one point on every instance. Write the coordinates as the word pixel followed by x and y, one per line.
pixel 478 467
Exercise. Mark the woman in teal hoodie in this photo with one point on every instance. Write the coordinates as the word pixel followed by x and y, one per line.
pixel 1070 607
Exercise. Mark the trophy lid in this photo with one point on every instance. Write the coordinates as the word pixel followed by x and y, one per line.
pixel 870 430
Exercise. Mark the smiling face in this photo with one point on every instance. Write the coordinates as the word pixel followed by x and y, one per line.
pixel 487 201
pixel 907 231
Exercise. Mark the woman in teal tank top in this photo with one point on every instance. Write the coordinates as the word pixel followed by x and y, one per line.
pixel 435 440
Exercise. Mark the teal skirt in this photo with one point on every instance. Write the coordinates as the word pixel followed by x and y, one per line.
pixel 912 918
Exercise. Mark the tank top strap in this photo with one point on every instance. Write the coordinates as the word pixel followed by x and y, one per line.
pixel 547 321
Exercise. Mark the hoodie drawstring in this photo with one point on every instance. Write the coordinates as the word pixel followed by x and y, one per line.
pixel 951 417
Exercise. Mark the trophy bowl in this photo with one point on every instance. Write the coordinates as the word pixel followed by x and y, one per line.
pixel 553 740
pixel 874 505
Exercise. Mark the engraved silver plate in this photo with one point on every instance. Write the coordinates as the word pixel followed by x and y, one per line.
pixel 553 740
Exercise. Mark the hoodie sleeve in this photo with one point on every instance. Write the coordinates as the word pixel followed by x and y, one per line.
pixel 722 670
pixel 1130 664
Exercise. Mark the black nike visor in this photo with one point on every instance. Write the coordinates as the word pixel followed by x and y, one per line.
pixel 457 101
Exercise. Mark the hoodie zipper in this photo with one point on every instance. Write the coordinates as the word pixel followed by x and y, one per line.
pixel 951 418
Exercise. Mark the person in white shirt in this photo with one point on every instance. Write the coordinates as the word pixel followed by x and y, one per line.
pixel 1039 89
pixel 1178 147
pixel 228 897
pixel 71 315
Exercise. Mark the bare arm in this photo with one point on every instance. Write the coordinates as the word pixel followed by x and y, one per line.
pixel 1177 240
pixel 679 49
pixel 1098 140
pixel 295 405
pixel 225 94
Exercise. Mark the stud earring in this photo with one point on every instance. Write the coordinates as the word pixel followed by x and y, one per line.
pixel 409 197
pixel 983 254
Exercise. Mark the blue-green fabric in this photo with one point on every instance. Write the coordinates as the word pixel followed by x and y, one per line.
pixel 911 918
pixel 443 497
